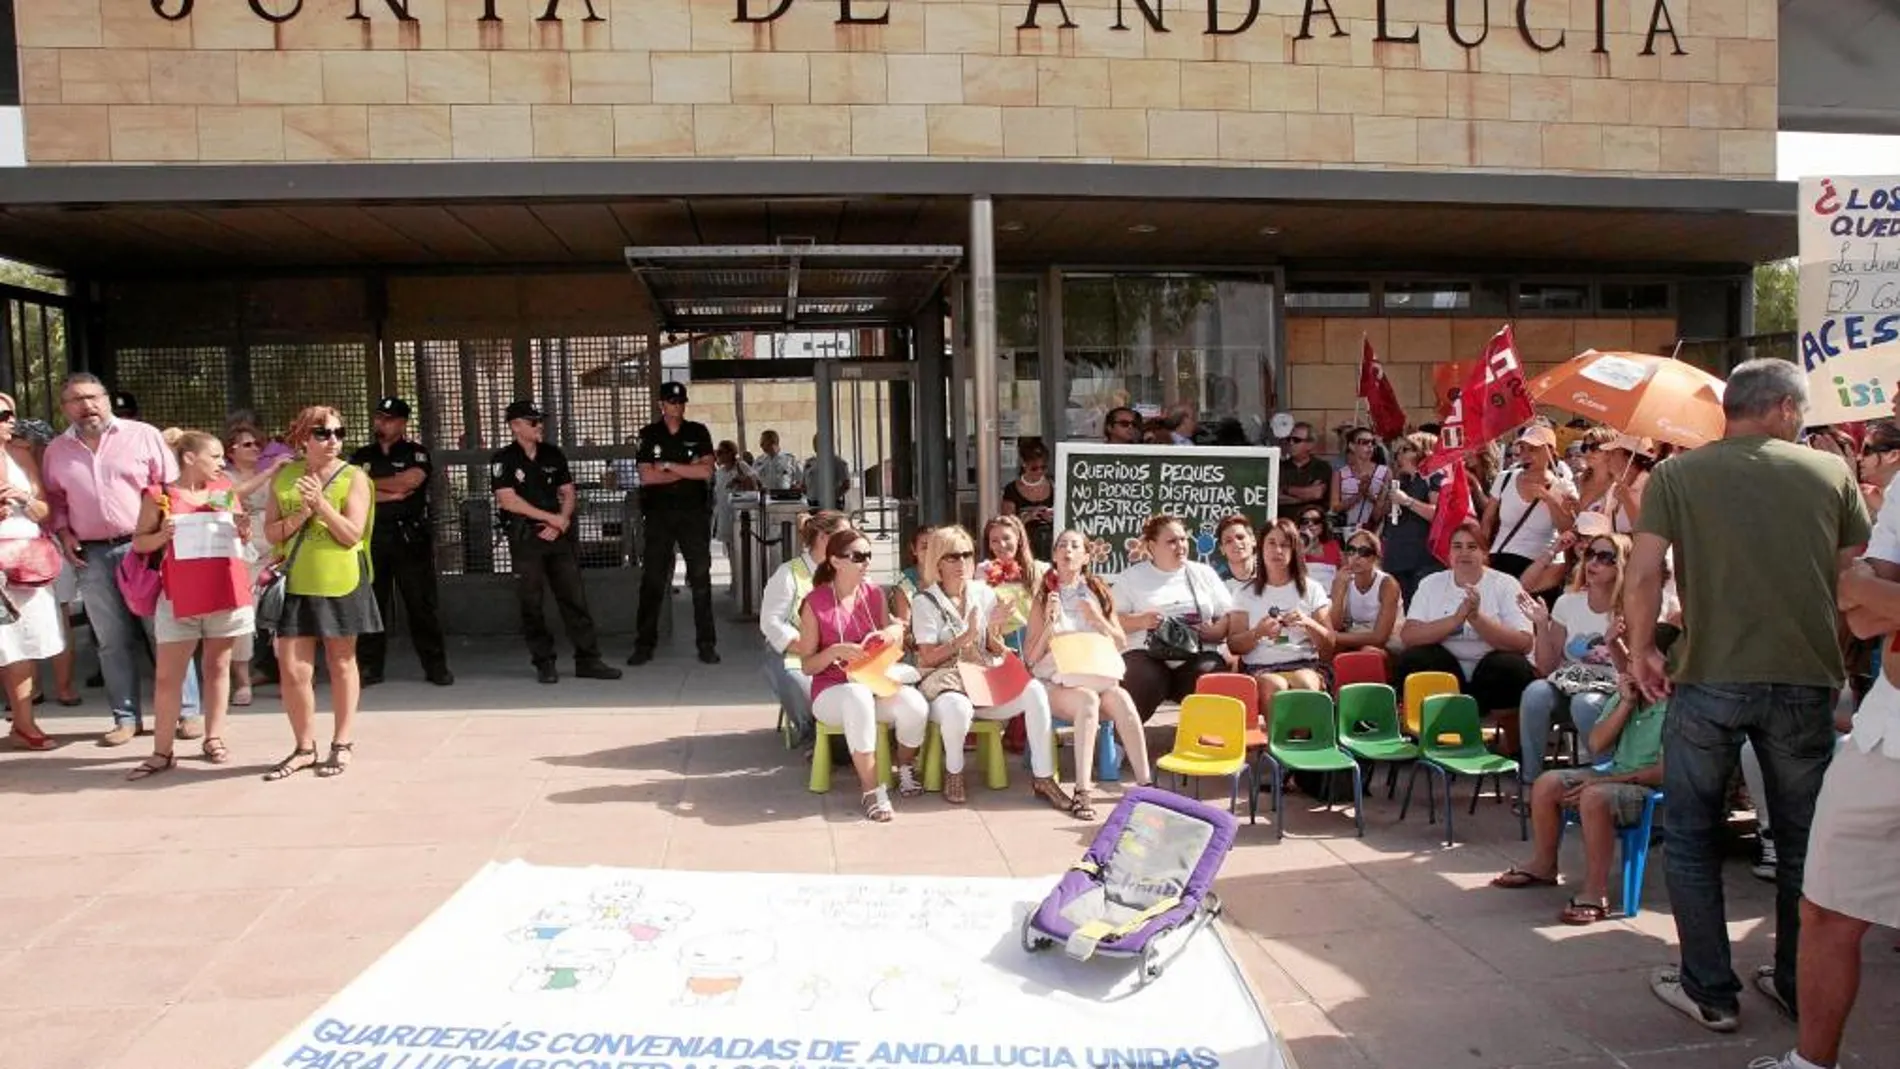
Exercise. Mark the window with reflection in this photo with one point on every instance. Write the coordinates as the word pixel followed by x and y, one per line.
pixel 1193 352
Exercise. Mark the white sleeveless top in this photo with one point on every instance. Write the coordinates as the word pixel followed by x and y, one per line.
pixel 1359 513
pixel 1537 531
pixel 17 524
pixel 1362 608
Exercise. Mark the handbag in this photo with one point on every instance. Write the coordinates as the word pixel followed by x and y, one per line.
pixel 140 581
pixel 30 561
pixel 1174 639
pixel 1575 679
pixel 948 678
pixel 273 582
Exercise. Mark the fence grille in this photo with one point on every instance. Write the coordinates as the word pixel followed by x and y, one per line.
pixel 177 386
pixel 286 379
pixel 38 354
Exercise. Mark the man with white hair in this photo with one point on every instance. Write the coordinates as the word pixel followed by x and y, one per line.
pixel 1760 530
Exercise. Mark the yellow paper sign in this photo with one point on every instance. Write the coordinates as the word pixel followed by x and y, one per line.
pixel 1085 653
pixel 873 669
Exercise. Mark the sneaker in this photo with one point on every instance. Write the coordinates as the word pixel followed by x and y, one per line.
pixel 595 668
pixel 369 679
pixel 1765 983
pixel 1790 1060
pixel 1666 982
pixel 191 729
pixel 640 656
pixel 1764 867
pixel 708 655
pixel 120 734
pixel 441 677
pixel 545 672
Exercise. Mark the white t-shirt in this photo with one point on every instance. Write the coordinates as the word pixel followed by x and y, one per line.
pixel 1146 588
pixel 931 626
pixel 1294 644
pixel 1439 596
pixel 1538 530
pixel 1583 629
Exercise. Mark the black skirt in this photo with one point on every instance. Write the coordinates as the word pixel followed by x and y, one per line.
pixel 312 616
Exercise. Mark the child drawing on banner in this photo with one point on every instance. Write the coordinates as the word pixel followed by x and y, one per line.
pixel 579 959
pixel 903 991
pixel 551 921
pixel 649 922
pixel 717 966
pixel 614 900
pixel 812 991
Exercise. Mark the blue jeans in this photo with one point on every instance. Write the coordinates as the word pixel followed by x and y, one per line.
pixel 1792 729
pixel 1542 702
pixel 793 691
pixel 121 651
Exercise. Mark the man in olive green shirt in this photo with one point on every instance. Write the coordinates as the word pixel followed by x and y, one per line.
pixel 1761 529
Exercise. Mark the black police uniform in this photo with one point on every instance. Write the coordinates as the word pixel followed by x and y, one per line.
pixel 402 549
pixel 538 561
pixel 676 515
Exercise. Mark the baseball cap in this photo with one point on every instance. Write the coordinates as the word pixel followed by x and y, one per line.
pixel 393 406
pixel 124 404
pixel 1629 443
pixel 1593 525
pixel 523 410
pixel 1538 434
pixel 673 393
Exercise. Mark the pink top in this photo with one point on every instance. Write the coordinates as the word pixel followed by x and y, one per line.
pixel 834 627
pixel 95 493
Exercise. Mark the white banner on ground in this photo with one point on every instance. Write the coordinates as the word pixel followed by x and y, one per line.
pixel 1850 296
pixel 528 967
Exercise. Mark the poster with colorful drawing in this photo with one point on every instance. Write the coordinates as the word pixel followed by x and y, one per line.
pixel 598 968
pixel 1849 340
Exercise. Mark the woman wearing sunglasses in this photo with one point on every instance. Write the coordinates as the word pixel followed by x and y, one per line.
pixel 1572 652
pixel 957 619
pixel 1531 504
pixel 1411 503
pixel 320 509
pixel 1319 545
pixel 1360 484
pixel 1031 498
pixel 1070 599
pixel 1365 600
pixel 251 476
pixel 1278 626
pixel 1615 471
pixel 843 619
pixel 29 617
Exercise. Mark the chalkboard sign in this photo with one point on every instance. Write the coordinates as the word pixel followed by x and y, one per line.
pixel 1108 491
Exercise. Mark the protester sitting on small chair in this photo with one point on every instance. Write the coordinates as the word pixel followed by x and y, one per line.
pixel 1604 800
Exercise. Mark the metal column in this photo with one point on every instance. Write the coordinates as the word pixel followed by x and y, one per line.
pixel 989 474
pixel 824 375
pixel 935 485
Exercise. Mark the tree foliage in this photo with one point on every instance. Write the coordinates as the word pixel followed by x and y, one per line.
pixel 1777 297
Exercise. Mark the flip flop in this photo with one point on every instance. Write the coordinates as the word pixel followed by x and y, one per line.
pixel 1515 878
pixel 1581 913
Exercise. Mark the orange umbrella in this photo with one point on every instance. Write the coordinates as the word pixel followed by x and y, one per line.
pixel 1637 393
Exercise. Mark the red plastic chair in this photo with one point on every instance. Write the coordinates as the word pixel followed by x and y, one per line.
pixel 1359 666
pixel 1242 687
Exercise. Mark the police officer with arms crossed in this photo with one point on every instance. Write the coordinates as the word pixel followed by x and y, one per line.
pixel 676 470
pixel 402 546
pixel 535 490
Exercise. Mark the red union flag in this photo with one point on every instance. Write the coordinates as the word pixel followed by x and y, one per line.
pixel 1388 416
pixel 1454 508
pixel 1492 403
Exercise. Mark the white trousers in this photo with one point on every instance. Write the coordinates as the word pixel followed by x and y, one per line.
pixel 954 714
pixel 854 708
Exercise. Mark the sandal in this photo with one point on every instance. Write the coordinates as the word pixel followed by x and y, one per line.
pixel 1514 878
pixel 215 750
pixel 953 789
pixel 1082 805
pixel 877 806
pixel 1582 913
pixel 152 766
pixel 242 696
pixel 30 740
pixel 1050 791
pixel 339 760
pixel 908 786
pixel 289 767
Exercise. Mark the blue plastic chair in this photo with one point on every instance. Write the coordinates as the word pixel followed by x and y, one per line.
pixel 1108 752
pixel 1633 842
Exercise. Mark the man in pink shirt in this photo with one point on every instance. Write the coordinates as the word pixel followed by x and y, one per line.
pixel 94 475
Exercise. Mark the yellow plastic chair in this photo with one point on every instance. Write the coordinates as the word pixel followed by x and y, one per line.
pixel 1211 740
pixel 989 750
pixel 820 782
pixel 1420 686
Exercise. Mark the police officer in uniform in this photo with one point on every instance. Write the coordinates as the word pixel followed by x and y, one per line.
pixel 676 471
pixel 535 492
pixel 402 545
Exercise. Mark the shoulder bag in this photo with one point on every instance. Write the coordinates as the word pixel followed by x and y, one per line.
pixel 946 678
pixel 273 582
pixel 1174 639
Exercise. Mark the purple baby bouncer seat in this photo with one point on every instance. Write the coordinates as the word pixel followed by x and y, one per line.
pixel 1148 874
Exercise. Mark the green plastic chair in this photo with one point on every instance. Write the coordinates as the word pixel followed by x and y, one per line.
pixel 1369 729
pixel 1303 736
pixel 1457 715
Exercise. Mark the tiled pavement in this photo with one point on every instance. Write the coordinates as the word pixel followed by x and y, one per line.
pixel 189 921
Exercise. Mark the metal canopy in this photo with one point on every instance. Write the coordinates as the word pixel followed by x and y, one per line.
pixel 816 287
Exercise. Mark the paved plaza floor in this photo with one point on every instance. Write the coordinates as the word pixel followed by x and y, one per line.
pixel 189 921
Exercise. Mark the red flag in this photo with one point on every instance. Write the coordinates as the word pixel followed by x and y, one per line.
pixel 1492 403
pixel 1388 416
pixel 1454 508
